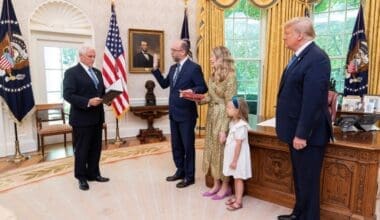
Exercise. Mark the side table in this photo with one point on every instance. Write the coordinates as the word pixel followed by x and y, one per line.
pixel 150 113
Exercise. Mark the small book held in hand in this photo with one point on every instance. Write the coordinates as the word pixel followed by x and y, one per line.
pixel 192 96
pixel 112 92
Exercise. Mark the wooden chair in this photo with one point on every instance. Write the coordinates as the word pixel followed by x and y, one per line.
pixel 50 120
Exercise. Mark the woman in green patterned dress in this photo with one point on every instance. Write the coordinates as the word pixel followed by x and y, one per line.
pixel 222 87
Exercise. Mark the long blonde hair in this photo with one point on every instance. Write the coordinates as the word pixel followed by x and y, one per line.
pixel 220 70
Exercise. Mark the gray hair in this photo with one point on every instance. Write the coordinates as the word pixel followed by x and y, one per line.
pixel 83 50
pixel 303 25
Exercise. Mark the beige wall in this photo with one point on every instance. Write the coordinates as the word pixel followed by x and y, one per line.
pixel 165 15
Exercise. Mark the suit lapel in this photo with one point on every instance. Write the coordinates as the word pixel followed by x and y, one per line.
pixel 85 75
pixel 288 71
pixel 181 72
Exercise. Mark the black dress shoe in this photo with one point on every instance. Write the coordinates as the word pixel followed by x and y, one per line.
pixel 83 185
pixel 184 183
pixel 99 179
pixel 174 177
pixel 287 217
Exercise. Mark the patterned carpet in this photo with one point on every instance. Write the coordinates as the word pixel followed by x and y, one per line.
pixel 137 190
pixel 41 171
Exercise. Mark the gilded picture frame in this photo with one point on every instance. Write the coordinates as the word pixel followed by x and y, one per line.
pixel 143 45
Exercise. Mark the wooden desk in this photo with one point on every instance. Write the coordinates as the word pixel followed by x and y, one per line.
pixel 150 113
pixel 348 178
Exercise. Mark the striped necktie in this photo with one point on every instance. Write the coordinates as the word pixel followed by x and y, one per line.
pixel 93 77
pixel 176 73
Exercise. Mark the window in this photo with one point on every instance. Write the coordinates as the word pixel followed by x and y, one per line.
pixel 243 30
pixel 334 21
pixel 56 61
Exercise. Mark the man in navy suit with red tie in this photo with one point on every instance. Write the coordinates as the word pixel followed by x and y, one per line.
pixel 303 120
pixel 82 88
pixel 187 76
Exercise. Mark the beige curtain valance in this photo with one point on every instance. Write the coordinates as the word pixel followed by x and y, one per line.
pixel 224 4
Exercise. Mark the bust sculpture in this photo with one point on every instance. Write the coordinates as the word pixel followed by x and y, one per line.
pixel 150 98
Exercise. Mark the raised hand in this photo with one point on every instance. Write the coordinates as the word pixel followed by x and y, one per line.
pixel 155 61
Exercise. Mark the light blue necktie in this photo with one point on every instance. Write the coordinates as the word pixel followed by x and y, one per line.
pixel 176 73
pixel 93 77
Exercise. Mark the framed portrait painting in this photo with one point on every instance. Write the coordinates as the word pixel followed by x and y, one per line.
pixel 143 45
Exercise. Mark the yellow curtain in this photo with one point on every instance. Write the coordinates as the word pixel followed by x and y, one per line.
pixel 210 22
pixel 276 55
pixel 372 25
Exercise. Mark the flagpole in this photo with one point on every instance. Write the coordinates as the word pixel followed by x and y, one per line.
pixel 118 141
pixel 18 157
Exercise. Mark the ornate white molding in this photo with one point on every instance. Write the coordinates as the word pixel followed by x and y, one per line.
pixel 60 17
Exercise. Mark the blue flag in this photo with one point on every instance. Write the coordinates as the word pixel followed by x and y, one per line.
pixel 185 27
pixel 15 84
pixel 356 81
pixel 185 30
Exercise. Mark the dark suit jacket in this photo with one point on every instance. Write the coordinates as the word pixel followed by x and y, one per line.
pixel 78 88
pixel 139 60
pixel 302 108
pixel 190 77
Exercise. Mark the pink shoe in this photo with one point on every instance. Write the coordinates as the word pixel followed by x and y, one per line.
pixel 208 193
pixel 217 197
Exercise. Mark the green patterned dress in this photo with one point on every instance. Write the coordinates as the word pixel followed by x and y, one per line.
pixel 219 94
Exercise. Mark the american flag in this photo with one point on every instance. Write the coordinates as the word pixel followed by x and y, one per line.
pixel 6 61
pixel 114 66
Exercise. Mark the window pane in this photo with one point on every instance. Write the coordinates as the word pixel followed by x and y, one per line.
pixel 352 4
pixel 52 57
pixel 253 29
pixel 229 28
pixel 338 5
pixel 334 36
pixel 69 57
pixel 240 28
pixel 322 6
pixel 351 17
pixel 245 45
pixel 321 23
pixel 337 21
pixel 53 80
pixel 57 60
pixel 54 97
pixel 253 49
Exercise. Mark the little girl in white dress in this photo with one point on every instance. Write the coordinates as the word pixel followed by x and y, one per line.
pixel 237 158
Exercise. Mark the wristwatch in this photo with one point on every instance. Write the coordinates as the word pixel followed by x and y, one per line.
pixel 263 3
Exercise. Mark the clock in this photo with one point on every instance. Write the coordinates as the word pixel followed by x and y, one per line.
pixel 263 3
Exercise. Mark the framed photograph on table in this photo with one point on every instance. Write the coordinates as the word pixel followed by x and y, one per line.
pixel 371 103
pixel 352 104
pixel 143 45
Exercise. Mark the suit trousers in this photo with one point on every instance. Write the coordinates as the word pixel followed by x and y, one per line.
pixel 307 165
pixel 183 150
pixel 87 143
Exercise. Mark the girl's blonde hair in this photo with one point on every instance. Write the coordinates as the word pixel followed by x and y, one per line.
pixel 221 69
pixel 242 106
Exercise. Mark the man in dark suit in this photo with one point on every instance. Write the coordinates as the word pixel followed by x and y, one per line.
pixel 82 87
pixel 185 75
pixel 302 116
pixel 143 58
